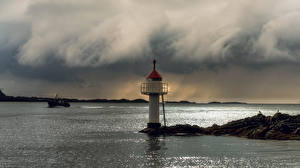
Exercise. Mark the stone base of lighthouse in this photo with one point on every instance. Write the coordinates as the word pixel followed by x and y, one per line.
pixel 153 125
pixel 153 111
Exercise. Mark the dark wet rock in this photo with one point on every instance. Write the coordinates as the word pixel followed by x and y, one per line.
pixel 175 130
pixel 279 127
pixel 2 94
pixel 297 132
pixel 279 117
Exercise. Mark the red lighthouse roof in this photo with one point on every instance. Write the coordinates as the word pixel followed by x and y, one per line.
pixel 154 74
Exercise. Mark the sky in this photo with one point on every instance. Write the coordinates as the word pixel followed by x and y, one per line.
pixel 206 50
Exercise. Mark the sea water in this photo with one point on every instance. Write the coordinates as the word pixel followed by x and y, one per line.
pixel 106 135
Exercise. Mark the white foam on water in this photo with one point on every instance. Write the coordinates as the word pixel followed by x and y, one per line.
pixel 91 107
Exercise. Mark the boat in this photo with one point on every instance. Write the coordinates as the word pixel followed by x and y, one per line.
pixel 57 102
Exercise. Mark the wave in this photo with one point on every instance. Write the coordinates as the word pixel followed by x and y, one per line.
pixel 91 107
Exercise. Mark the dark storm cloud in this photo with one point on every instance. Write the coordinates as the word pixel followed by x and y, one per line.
pixel 207 33
pixel 94 44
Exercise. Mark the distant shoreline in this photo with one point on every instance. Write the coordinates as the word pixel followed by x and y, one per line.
pixel 39 99
pixel 4 98
pixel 216 102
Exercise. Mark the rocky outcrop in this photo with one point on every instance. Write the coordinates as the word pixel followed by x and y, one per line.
pixel 280 127
pixel 2 94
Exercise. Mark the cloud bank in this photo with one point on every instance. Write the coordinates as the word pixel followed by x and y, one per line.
pixel 91 33
pixel 75 41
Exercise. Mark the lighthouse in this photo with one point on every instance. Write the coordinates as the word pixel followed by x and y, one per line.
pixel 154 87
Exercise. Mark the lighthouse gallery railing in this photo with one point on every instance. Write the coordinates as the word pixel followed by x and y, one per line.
pixel 154 88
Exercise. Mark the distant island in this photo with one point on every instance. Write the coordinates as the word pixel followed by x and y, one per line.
pixel 181 102
pixel 216 102
pixel 5 98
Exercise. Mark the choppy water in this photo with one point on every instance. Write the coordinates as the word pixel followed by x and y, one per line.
pixel 106 135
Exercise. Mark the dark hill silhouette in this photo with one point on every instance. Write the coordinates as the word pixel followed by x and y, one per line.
pixel 5 98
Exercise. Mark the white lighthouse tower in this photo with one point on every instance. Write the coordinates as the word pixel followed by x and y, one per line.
pixel 154 87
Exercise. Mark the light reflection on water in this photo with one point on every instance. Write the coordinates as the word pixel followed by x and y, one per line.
pixel 105 135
